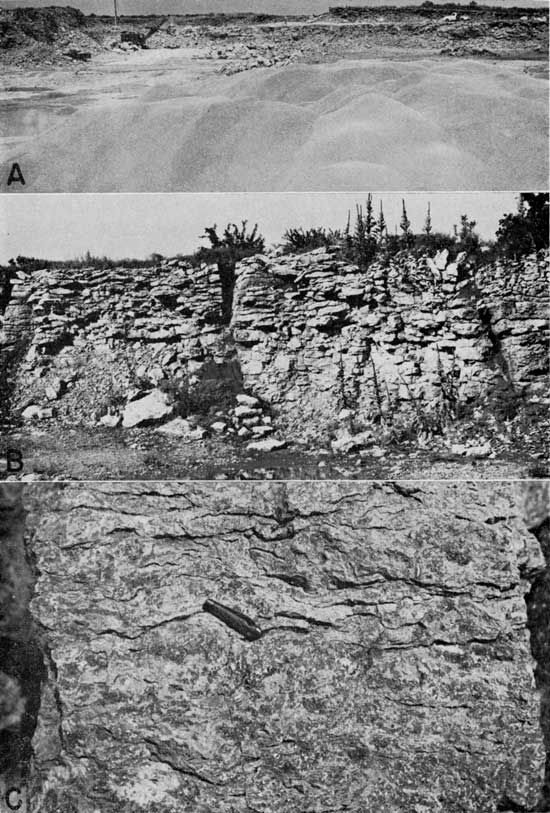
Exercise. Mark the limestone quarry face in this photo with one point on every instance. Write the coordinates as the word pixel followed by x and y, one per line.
pixel 310 335
pixel 229 646
pixel 386 340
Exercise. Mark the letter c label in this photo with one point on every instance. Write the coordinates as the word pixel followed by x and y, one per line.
pixel 9 801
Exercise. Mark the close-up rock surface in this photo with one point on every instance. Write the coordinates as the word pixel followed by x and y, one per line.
pixel 303 646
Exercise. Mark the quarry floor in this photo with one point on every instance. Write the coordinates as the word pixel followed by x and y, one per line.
pixel 106 454
pixel 110 125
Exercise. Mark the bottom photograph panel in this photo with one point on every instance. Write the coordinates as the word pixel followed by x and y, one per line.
pixel 314 646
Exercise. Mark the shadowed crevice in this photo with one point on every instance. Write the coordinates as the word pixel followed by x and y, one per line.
pixel 24 661
pixel 21 655
pixel 538 615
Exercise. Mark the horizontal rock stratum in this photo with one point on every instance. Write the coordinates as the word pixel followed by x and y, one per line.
pixel 226 647
pixel 309 334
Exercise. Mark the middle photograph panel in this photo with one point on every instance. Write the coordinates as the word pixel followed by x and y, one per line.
pixel 282 336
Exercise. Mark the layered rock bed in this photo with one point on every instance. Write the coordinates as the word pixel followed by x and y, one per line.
pixel 316 350
pixel 278 647
pixel 390 340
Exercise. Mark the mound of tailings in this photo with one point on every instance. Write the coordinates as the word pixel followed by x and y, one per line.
pixel 428 124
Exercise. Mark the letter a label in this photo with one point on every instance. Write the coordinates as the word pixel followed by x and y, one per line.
pixel 15 176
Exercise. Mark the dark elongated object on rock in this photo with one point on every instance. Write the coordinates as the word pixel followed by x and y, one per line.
pixel 238 621
pixel 81 56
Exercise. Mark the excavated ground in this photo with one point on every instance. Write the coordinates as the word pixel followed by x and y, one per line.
pixel 402 66
pixel 90 453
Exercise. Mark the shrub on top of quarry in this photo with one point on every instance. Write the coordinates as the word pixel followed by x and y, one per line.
pixel 226 251
pixel 367 239
pixel 300 241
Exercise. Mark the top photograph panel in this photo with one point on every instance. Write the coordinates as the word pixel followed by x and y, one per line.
pixel 273 95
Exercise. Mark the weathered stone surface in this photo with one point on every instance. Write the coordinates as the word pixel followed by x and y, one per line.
pixel 389 339
pixel 267 445
pixel 98 330
pixel 154 406
pixel 536 502
pixel 375 655
pixel 309 334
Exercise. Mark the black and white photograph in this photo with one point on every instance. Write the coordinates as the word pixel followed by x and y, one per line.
pixel 289 337
pixel 273 95
pixel 274 406
pixel 274 647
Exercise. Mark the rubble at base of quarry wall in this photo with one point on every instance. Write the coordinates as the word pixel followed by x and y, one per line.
pixel 309 334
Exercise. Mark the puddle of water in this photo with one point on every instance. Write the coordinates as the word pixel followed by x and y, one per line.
pixel 19 120
pixel 292 466
pixel 23 89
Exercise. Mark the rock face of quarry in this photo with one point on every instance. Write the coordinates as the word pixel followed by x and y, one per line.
pixel 309 335
pixel 271 647
pixel 386 341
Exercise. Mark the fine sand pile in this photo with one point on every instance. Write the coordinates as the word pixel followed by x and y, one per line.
pixel 365 124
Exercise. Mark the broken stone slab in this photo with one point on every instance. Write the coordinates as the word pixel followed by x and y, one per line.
pixel 247 400
pixel 153 407
pixel 261 431
pixel 55 389
pixel 345 441
pixel 266 445
pixel 374 451
pixel 32 412
pixel 110 420
pixel 244 411
pixel 470 450
pixel 183 428
pixel 249 422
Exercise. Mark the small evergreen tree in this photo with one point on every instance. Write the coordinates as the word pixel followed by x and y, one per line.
pixel 348 237
pixel 365 238
pixel 370 221
pixel 381 224
pixel 405 226
pixel 360 236
pixel 428 221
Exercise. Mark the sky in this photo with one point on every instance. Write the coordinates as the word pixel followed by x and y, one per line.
pixel 62 227
pixel 205 6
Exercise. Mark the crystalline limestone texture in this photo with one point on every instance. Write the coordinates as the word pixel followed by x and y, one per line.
pixel 389 669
